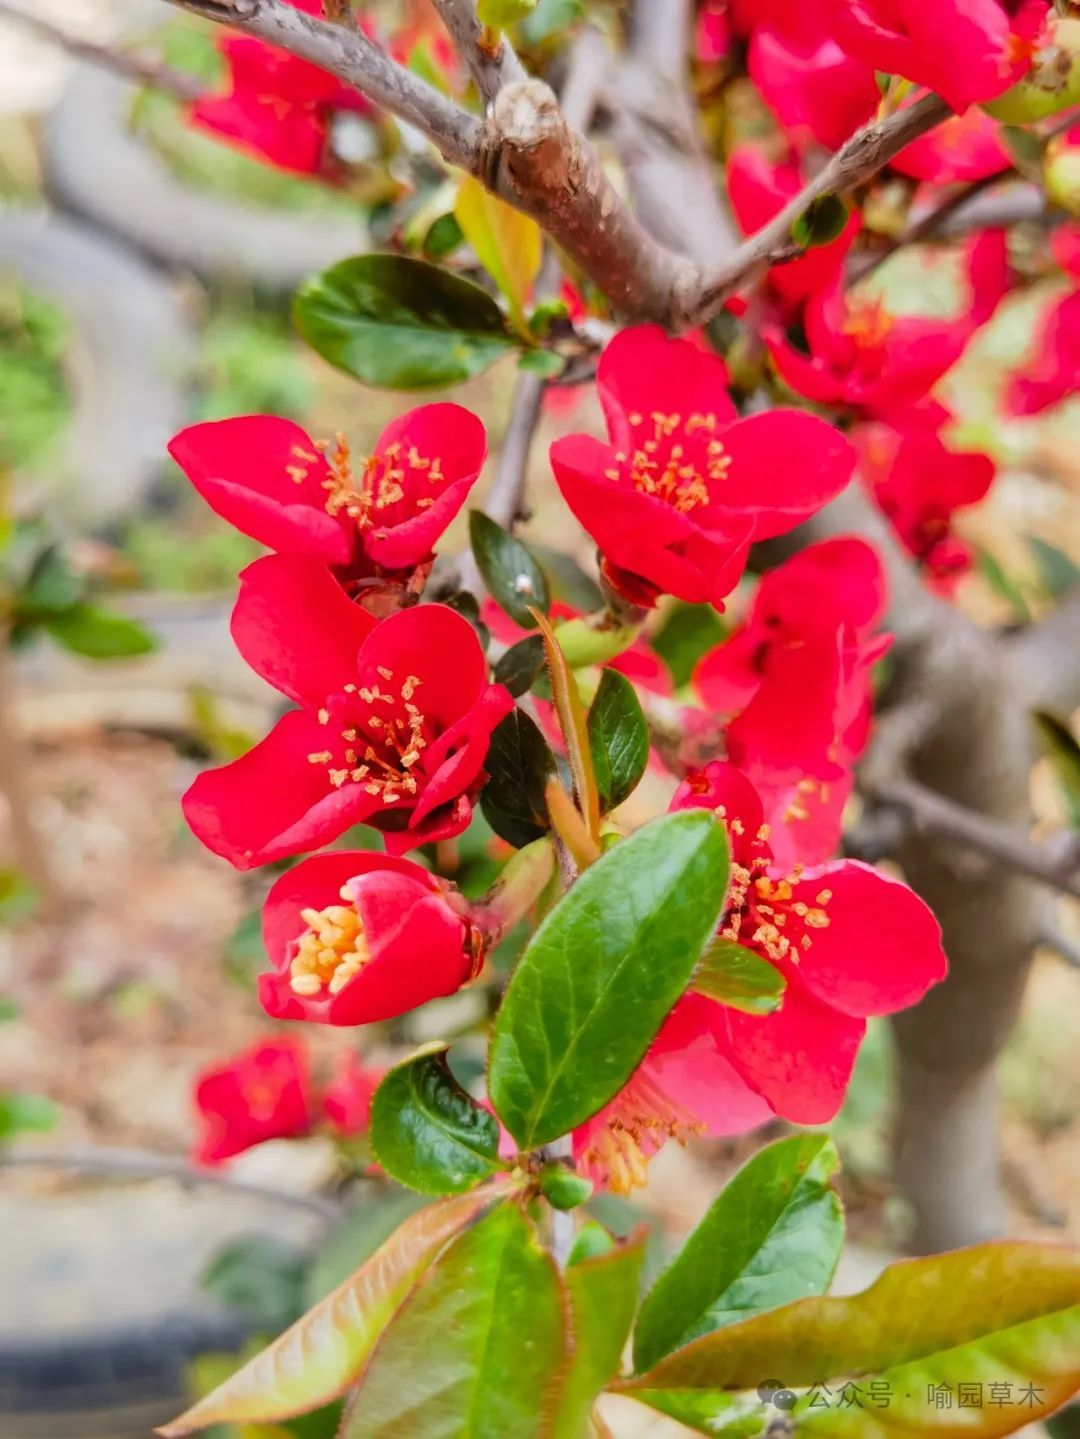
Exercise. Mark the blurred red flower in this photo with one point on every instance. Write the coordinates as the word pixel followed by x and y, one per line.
pixel 393 728
pixel 263 1093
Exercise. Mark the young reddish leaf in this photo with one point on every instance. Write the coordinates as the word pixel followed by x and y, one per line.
pixel 574 725
pixel 324 1352
pixel 506 242
pixel 602 1296
pixel 473 1352
pixel 1000 1313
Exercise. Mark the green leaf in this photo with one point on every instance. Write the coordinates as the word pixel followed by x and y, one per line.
pixel 324 1352
pixel 1004 1314
pixel 519 764
pixel 550 18
pixel 427 1133
pixel 547 363
pixel 18 897
pixel 591 1240
pixel 821 223
pixel 618 739
pixel 1063 752
pixel 100 635
pixel 500 13
pixel 1003 585
pixel 601 973
pixel 25 1114
pixel 567 581
pixel 774 1235
pixel 261 1277
pixel 507 243
pixel 473 1353
pixel 510 572
pixel 1056 570
pixel 521 666
pixel 739 978
pixel 401 323
pixel 366 1225
pixel 602 1294
pixel 687 633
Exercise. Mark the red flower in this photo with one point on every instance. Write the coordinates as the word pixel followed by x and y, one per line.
pixel 684 486
pixel 1050 375
pixel 817 92
pixel 346 1101
pixel 862 355
pixel 759 190
pixel 967 147
pixel 712 33
pixel 277 106
pixel 264 1093
pixel 393 728
pixel 964 50
pixel 354 938
pixel 381 517
pixel 919 484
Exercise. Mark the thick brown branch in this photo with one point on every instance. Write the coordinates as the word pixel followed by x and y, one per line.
pixel 130 65
pixel 491 69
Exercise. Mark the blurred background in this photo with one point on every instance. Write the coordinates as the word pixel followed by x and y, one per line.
pixel 145 274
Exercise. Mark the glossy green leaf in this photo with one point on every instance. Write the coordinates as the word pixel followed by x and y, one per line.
pixel 1001 1314
pixel 324 1352
pixel 401 323
pixel 602 1295
pixel 99 634
pixel 519 764
pixel 427 1133
pixel 601 973
pixel 507 243
pixel 618 739
pixel 473 1353
pixel 516 581
pixel 1063 751
pixel 821 223
pixel 774 1235
pixel 739 978
pixel 521 665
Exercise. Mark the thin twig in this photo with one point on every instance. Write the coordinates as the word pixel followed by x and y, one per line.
pixel 1054 864
pixel 133 1164
pixel 490 68
pixel 129 64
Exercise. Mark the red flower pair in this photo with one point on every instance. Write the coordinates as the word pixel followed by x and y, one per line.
pixel 849 943
pixel 392 730
pixel 684 486
pixel 267 1093
pixel 373 521
pixel 277 107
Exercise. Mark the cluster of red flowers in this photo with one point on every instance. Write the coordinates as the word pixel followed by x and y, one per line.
pixel 267 1093
pixel 395 711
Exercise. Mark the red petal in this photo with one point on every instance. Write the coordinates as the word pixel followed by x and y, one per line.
pixel 684 1060
pixel 296 627
pixel 785 465
pixel 881 949
pixel 241 468
pixel 800 1058
pixel 273 802
pixel 439 648
pixel 643 371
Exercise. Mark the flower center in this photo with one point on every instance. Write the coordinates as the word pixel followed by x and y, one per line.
pixel 364 491
pixel 760 907
pixel 868 323
pixel 662 467
pixel 377 749
pixel 643 1118
pixel 330 952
